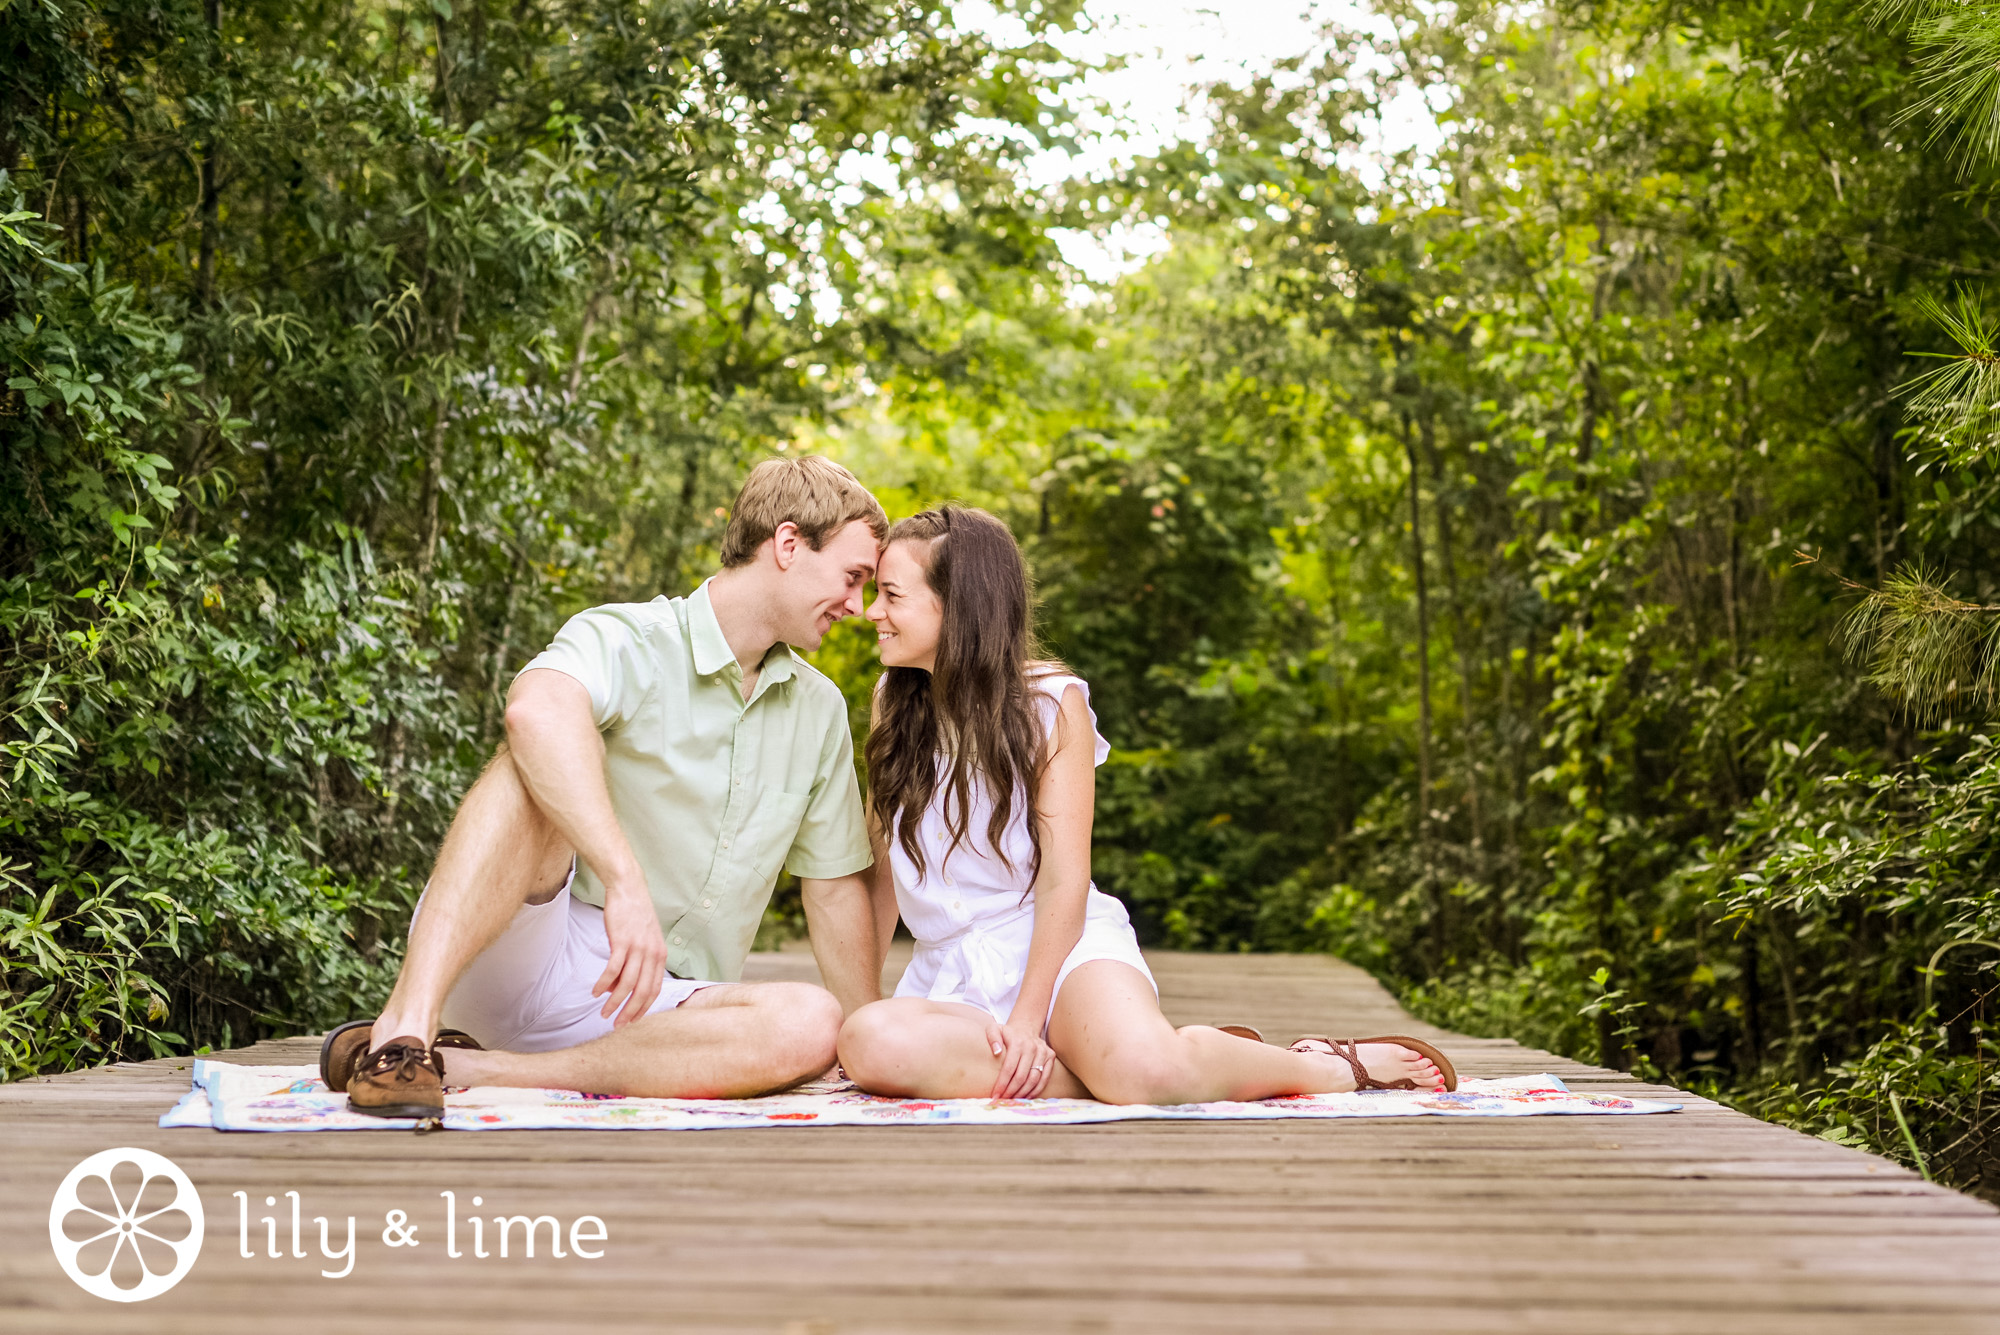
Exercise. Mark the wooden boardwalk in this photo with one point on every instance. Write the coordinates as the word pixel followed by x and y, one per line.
pixel 1705 1222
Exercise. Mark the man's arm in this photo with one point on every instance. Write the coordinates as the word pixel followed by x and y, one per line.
pixel 840 919
pixel 559 755
pixel 882 887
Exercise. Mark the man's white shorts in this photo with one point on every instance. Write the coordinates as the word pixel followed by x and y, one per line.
pixel 530 990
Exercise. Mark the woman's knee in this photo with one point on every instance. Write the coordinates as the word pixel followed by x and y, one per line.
pixel 873 1043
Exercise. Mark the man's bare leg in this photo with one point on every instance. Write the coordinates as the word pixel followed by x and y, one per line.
pixel 729 1041
pixel 500 853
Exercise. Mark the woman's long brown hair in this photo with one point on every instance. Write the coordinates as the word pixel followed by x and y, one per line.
pixel 976 709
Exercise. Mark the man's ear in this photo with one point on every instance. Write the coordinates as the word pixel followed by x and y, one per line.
pixel 785 543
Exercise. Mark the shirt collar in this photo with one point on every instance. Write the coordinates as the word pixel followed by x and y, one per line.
pixel 712 653
pixel 711 649
pixel 778 666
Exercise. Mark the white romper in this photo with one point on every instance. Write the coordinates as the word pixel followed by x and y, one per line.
pixel 972 923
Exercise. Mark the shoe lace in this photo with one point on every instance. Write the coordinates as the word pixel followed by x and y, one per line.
pixel 402 1061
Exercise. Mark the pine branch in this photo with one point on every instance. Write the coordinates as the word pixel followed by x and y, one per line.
pixel 1958 70
pixel 1961 398
pixel 1902 13
pixel 1934 652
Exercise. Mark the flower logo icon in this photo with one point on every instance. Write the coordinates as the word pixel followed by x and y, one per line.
pixel 126 1225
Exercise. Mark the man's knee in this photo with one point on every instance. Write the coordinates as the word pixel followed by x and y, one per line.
pixel 499 817
pixel 803 1020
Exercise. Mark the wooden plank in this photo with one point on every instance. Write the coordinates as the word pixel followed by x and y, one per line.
pixel 1702 1221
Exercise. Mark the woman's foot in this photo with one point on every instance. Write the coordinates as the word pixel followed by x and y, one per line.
pixel 1385 1063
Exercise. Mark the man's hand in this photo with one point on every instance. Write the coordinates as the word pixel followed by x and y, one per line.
pixel 1026 1062
pixel 638 963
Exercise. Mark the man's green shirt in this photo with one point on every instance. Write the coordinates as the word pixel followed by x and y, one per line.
pixel 714 795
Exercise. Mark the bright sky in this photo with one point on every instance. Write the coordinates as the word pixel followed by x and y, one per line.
pixel 1172 45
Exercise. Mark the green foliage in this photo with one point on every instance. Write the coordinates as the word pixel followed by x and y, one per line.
pixel 1911 1097
pixel 347 349
pixel 1428 532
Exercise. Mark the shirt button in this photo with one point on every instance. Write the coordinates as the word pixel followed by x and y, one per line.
pixel 957 905
pixel 725 845
pixel 708 903
pixel 679 942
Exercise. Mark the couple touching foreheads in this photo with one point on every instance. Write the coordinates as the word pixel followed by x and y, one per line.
pixel 603 880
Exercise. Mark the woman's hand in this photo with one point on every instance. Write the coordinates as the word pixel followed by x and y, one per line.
pixel 1026 1062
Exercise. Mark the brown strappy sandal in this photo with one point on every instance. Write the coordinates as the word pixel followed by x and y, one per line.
pixel 1349 1051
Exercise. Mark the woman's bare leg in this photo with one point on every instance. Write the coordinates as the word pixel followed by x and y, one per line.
pixel 906 1047
pixel 1108 1031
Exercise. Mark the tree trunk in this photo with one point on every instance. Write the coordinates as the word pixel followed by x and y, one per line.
pixel 589 327
pixel 503 648
pixel 1423 647
pixel 691 462
pixel 1586 436
pixel 428 500
pixel 1753 1004
pixel 209 185
pixel 1461 639
pixel 441 78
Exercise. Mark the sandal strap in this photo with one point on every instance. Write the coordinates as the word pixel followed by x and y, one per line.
pixel 1350 1052
pixel 1347 1051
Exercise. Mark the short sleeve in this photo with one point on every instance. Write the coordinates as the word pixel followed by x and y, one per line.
pixel 609 650
pixel 1052 689
pixel 833 837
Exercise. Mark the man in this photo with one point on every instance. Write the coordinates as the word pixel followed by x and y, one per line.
pixel 602 882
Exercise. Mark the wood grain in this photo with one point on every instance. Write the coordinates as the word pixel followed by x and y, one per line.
pixel 1701 1223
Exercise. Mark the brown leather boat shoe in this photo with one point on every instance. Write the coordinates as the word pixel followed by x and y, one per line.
pixel 402 1078
pixel 344 1049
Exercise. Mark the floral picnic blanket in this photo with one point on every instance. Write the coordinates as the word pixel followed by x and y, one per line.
pixel 293 1098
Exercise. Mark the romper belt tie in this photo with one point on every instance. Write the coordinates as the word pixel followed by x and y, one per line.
pixel 977 962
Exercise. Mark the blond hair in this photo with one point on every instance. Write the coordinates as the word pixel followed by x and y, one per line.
pixel 815 493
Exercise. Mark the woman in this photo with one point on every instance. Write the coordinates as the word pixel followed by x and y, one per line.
pixel 1027 982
